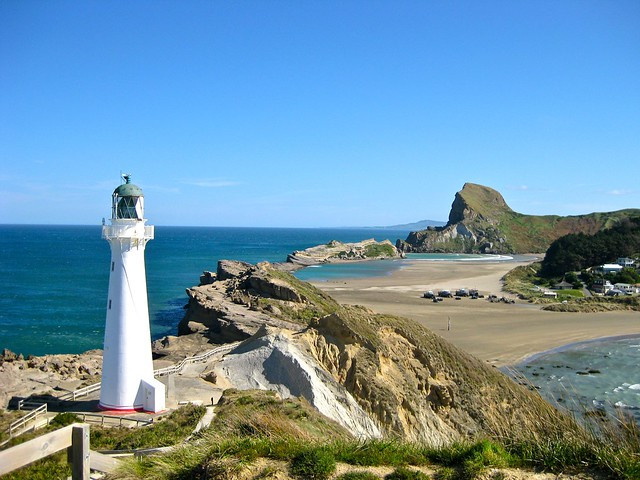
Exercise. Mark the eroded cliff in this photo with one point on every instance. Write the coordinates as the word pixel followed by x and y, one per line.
pixel 480 221
pixel 409 382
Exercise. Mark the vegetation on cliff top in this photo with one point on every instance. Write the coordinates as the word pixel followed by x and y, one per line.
pixel 575 252
pixel 499 229
pixel 257 435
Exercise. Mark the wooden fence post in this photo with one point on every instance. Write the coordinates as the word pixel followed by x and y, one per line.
pixel 80 456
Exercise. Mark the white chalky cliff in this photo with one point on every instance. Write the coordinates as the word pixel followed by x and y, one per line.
pixel 127 368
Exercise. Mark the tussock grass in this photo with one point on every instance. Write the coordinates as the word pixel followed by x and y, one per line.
pixel 358 475
pixel 168 431
pixel 254 425
pixel 403 473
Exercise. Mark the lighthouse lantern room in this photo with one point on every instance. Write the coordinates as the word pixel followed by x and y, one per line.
pixel 127 368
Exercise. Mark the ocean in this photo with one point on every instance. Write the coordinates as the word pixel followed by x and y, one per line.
pixel 54 279
pixel 596 375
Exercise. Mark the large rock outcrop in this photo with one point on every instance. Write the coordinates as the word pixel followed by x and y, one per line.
pixel 240 298
pixel 372 373
pixel 480 221
pixel 336 251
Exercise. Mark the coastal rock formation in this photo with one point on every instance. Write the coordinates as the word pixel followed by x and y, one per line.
pixel 244 297
pixel 20 377
pixel 336 251
pixel 480 221
pixel 274 360
pixel 409 382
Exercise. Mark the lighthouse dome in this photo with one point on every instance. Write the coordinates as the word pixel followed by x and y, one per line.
pixel 128 189
pixel 128 201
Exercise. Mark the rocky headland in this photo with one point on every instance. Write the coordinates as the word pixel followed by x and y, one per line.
pixel 377 375
pixel 480 221
pixel 336 251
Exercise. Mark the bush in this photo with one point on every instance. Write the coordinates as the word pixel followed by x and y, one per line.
pixel 313 463
pixel 358 476
pixel 64 419
pixel 446 473
pixel 402 473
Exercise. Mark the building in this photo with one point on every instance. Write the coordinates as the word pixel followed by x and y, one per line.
pixel 563 285
pixel 607 268
pixel 600 285
pixel 625 262
pixel 128 382
pixel 626 288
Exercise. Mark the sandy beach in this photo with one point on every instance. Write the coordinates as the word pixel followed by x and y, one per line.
pixel 499 333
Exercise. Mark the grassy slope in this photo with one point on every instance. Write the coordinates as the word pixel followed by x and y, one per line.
pixel 256 435
pixel 526 233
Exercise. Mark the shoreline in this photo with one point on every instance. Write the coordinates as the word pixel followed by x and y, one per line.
pixel 569 346
pixel 499 334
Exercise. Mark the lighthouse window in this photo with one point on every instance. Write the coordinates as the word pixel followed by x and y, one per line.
pixel 109 304
pixel 112 265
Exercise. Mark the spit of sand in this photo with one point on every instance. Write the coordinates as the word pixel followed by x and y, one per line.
pixel 499 333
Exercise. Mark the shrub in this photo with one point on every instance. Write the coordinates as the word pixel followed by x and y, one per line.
pixel 64 419
pixel 358 476
pixel 403 473
pixel 313 463
pixel 446 473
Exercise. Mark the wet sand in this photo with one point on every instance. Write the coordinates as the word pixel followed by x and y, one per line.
pixel 499 333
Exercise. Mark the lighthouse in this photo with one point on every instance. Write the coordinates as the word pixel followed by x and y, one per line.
pixel 127 369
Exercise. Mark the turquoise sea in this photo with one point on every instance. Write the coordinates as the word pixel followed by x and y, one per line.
pixel 602 374
pixel 54 279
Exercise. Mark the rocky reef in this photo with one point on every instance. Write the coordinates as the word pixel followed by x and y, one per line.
pixel 374 374
pixel 480 221
pixel 336 251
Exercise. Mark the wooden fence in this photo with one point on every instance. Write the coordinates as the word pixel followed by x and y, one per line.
pixel 74 438
pixel 20 424
pixel 81 392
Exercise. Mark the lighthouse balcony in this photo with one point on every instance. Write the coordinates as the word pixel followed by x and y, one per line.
pixel 128 230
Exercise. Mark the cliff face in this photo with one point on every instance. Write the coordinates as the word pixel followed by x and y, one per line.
pixel 480 221
pixel 374 374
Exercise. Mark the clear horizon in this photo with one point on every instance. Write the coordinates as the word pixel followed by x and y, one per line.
pixel 315 115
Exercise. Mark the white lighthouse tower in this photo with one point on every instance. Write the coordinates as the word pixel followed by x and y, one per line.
pixel 127 368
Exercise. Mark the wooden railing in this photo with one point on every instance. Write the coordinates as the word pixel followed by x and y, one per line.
pixel 21 423
pixel 175 368
pixel 74 437
pixel 178 367
pixel 81 392
pixel 111 420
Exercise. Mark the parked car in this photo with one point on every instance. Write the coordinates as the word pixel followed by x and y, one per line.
pixel 429 294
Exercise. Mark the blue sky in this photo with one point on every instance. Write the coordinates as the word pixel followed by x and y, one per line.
pixel 316 113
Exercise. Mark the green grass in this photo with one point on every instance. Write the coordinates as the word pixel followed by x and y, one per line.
pixel 318 302
pixel 403 473
pixel 168 431
pixel 7 417
pixel 314 464
pixel 53 467
pixel 597 304
pixel 358 475
pixel 569 295
pixel 379 250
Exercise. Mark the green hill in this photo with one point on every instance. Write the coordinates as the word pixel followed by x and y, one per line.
pixel 480 221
